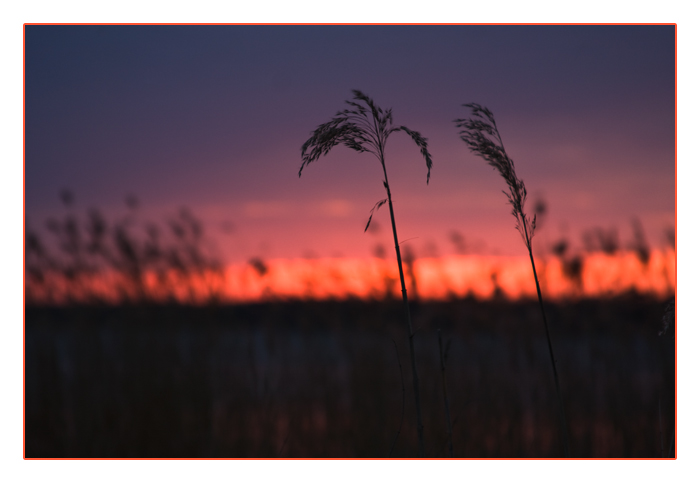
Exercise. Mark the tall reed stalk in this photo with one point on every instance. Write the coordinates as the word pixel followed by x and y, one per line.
pixel 365 127
pixel 482 136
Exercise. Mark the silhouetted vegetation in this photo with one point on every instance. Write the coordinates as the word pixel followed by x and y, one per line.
pixel 481 134
pixel 601 240
pixel 90 259
pixel 320 379
pixel 366 127
pixel 640 245
pixel 571 263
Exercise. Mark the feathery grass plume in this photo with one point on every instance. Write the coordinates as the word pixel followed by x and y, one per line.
pixel 357 130
pixel 481 135
pixel 365 128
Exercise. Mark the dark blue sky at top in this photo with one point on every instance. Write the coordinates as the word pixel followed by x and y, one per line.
pixel 214 116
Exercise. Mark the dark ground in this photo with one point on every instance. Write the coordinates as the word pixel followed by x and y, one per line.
pixel 322 379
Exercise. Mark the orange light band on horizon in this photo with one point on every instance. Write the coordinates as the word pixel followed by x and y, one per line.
pixel 452 276
pixel 442 278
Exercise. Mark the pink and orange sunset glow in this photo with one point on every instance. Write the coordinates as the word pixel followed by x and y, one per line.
pixel 444 278
pixel 212 118
pixel 453 276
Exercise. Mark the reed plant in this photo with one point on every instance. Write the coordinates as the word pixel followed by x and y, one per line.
pixel 365 128
pixel 481 135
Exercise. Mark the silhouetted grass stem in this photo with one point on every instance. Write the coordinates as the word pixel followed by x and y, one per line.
pixel 409 325
pixel 562 414
pixel 365 128
pixel 481 135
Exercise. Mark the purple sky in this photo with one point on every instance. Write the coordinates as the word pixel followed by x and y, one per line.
pixel 213 118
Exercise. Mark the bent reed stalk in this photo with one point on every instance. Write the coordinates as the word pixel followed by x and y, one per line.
pixel 365 127
pixel 483 139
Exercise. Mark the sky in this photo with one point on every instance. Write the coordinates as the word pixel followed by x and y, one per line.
pixel 213 118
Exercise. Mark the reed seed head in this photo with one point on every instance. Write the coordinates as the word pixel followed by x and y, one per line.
pixel 481 135
pixel 363 127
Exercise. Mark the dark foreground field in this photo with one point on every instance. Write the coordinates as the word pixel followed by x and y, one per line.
pixel 322 379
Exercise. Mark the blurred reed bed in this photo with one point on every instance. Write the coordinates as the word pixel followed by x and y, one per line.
pixel 321 379
pixel 596 274
pixel 88 258
pixel 451 276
